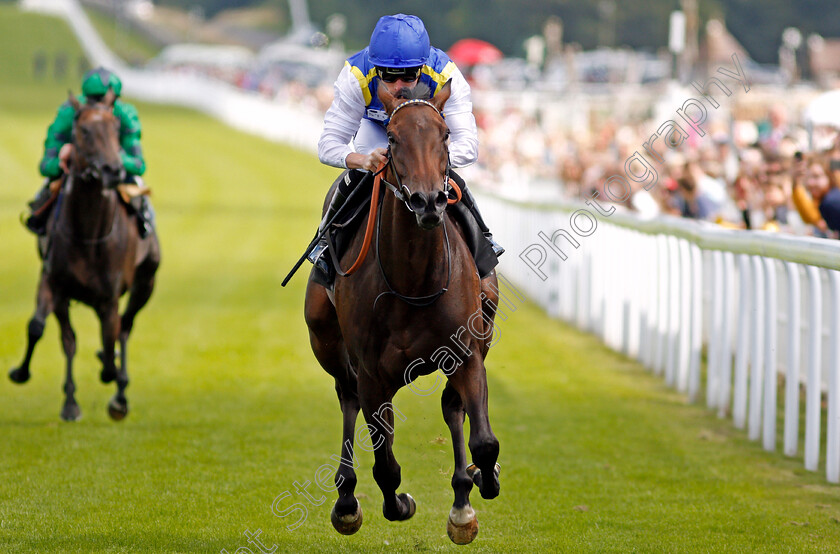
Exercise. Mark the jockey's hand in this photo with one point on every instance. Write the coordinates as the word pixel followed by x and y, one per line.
pixel 64 157
pixel 369 162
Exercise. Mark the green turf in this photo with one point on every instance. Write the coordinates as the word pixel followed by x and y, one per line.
pixel 229 407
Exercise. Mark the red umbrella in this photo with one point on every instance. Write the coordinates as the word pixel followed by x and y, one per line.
pixel 472 51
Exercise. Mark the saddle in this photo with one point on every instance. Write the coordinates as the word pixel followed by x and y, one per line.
pixel 351 215
pixel 347 222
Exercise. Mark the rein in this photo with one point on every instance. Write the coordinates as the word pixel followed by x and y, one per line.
pixel 89 173
pixel 63 232
pixel 402 193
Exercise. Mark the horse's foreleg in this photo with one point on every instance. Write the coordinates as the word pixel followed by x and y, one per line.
pixel 379 414
pixel 346 515
pixel 141 291
pixel 71 410
pixel 462 526
pixel 109 318
pixel 43 308
pixel 328 346
pixel 470 382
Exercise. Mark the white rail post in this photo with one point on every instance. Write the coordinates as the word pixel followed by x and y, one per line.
pixel 725 387
pixel 832 448
pixel 739 403
pixel 770 379
pixel 653 295
pixel 756 363
pixel 792 370
pixel 715 325
pixel 688 284
pixel 696 323
pixel 661 350
pixel 812 396
pixel 674 309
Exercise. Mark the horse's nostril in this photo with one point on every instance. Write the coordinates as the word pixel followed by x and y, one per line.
pixel 417 201
pixel 440 198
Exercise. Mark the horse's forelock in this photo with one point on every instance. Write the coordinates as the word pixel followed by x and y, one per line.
pixel 420 91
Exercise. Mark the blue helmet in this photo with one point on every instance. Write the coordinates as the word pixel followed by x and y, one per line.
pixel 399 41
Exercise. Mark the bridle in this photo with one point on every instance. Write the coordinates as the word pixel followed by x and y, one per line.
pixel 91 172
pixel 400 190
pixel 403 194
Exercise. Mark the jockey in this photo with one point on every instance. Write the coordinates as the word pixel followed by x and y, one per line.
pixel 58 149
pixel 400 57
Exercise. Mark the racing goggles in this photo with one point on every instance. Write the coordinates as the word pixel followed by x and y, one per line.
pixel 394 74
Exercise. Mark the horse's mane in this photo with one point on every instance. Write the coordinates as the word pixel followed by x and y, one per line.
pixel 421 91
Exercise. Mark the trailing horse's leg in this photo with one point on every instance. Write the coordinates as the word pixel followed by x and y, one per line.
pixel 141 291
pixel 462 526
pixel 43 308
pixel 109 318
pixel 379 414
pixel 470 382
pixel 328 346
pixel 71 410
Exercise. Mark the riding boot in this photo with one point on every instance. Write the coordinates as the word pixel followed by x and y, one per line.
pixel 318 255
pixel 38 223
pixel 469 201
pixel 145 217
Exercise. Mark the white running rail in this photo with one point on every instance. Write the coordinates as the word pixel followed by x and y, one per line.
pixel 247 111
pixel 766 306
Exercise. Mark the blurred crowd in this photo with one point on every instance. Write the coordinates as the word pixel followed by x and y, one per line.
pixel 768 174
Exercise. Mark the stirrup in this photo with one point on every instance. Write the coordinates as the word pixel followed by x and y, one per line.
pixel 498 249
pixel 318 257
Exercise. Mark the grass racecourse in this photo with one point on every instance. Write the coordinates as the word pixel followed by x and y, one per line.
pixel 229 407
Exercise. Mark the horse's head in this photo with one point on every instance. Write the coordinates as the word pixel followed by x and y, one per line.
pixel 418 144
pixel 96 141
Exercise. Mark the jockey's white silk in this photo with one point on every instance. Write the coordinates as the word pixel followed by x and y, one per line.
pixel 343 121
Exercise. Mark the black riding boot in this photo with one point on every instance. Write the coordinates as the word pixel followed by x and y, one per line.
pixel 318 255
pixel 38 223
pixel 469 201
pixel 145 215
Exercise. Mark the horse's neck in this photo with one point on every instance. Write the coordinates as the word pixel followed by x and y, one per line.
pixel 415 260
pixel 89 210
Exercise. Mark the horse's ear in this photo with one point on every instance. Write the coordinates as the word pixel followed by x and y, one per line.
pixel 388 100
pixel 439 99
pixel 110 97
pixel 73 101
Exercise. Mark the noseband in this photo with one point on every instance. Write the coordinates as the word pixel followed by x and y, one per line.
pixel 92 171
pixel 402 193
pixel 400 190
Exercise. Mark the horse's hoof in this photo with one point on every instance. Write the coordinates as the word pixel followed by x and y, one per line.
pixel 71 412
pixel 406 501
pixel 462 526
pixel 106 375
pixel 19 375
pixel 347 524
pixel 412 505
pixel 475 474
pixel 117 410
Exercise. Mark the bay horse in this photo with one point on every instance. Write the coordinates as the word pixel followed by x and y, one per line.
pixel 383 324
pixel 95 255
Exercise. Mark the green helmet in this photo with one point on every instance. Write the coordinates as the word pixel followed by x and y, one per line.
pixel 97 82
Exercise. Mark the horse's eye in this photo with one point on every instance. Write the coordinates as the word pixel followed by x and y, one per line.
pixel 391 139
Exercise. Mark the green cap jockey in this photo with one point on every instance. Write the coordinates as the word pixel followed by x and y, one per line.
pixel 94 85
pixel 98 81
